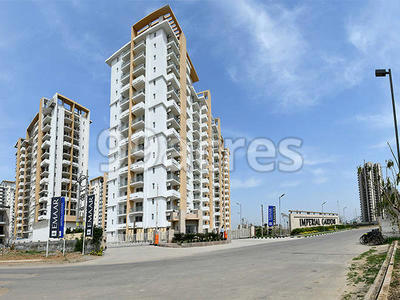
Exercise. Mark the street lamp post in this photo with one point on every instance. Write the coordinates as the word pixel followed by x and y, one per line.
pixel 383 73
pixel 280 225
pixel 344 216
pixel 322 210
pixel 240 213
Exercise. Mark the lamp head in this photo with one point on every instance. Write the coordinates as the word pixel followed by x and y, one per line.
pixel 380 72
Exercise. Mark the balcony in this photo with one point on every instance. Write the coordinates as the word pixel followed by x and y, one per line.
pixel 138 108
pixel 137 181
pixel 173 165
pixel 137 166
pixel 136 196
pixel 173 121
pixel 124 115
pixel 139 96
pixel 173 81
pixel 138 123
pixel 173 216
pixel 173 107
pixel 45 163
pixel 173 179
pixel 171 56
pixel 173 94
pixel 139 59
pixel 139 47
pixel 125 88
pixel 46 144
pixel 125 65
pixel 204 144
pixel 173 46
pixel 124 103
pixel 138 82
pixel 136 210
pixel 173 69
pixel 139 70
pixel 173 150
pixel 139 135
pixel 138 151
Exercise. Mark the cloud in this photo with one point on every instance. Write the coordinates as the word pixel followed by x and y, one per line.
pixel 83 44
pixel 246 183
pixel 384 144
pixel 274 55
pixel 277 61
pixel 319 161
pixel 290 184
pixel 320 180
pixel 378 121
pixel 319 176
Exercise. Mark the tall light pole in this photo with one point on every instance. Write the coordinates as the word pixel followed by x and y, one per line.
pixel 344 216
pixel 280 225
pixel 240 212
pixel 322 210
pixel 383 73
pixel 262 220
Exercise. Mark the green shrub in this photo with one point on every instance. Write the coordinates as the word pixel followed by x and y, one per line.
pixel 317 229
pixel 79 244
pixel 196 237
pixel 97 253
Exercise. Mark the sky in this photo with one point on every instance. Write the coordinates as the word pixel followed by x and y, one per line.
pixel 275 69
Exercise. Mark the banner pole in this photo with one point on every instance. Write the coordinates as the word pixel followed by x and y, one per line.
pixel 64 229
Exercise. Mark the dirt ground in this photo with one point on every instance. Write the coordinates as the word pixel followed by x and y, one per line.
pixel 17 256
pixel 363 270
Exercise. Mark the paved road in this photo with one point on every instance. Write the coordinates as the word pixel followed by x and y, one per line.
pixel 312 268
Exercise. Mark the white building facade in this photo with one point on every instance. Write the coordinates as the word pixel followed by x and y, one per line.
pixel 7 196
pixel 49 161
pixel 167 158
pixel 98 188
pixel 370 189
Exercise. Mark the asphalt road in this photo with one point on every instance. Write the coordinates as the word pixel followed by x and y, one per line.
pixel 310 268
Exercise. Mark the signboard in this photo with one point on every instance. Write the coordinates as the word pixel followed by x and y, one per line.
pixel 89 215
pixel 54 217
pixel 309 222
pixel 271 215
pixel 62 213
pixel 304 219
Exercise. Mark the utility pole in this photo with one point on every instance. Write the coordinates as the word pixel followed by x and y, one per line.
pixel 383 73
pixel 280 224
pixel 262 221
pixel 322 206
pixel 156 216
pixel 240 213
pixel 86 193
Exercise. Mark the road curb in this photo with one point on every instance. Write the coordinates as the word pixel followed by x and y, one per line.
pixel 384 293
pixel 375 288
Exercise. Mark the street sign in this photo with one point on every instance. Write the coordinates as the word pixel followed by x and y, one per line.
pixel 89 215
pixel 271 215
pixel 62 213
pixel 54 217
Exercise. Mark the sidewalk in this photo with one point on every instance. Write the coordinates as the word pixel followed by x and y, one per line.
pixel 138 254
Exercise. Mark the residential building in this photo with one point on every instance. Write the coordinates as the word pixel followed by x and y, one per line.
pixel 7 195
pixel 49 160
pixel 370 187
pixel 98 187
pixel 168 167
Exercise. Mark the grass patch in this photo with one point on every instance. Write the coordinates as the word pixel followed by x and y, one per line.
pixel 394 291
pixel 363 271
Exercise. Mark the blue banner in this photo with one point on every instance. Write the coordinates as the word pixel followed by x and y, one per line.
pixel 54 217
pixel 62 213
pixel 271 215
